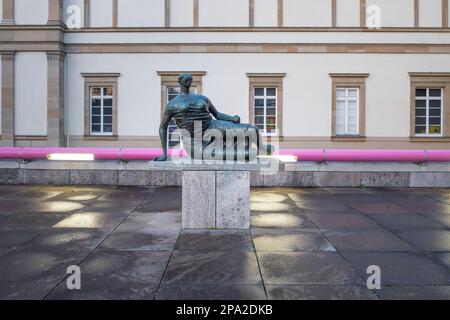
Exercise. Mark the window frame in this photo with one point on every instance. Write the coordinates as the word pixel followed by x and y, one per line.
pixel 101 80
pixel 102 107
pixel 349 80
pixel 348 99
pixel 427 108
pixel 432 80
pixel 267 80
pixel 265 97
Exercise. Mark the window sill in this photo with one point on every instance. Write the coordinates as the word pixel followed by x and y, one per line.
pixel 104 138
pixel 348 138
pixel 428 139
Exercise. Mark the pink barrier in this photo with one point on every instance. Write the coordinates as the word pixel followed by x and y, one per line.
pixel 317 155
pixel 376 155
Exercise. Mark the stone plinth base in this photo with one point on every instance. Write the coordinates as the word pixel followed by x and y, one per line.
pixel 216 199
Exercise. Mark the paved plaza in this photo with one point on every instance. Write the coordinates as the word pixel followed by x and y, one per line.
pixel 304 244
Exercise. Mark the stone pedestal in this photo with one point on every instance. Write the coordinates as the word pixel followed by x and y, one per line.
pixel 216 199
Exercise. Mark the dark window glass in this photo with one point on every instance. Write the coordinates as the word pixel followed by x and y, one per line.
pixel 96 128
pixel 259 120
pixel 435 120
pixel 107 102
pixel 259 102
pixel 421 129
pixel 421 120
pixel 435 92
pixel 96 119
pixel 96 102
pixel 421 103
pixel 435 103
pixel 259 92
pixel 107 111
pixel 107 119
pixel 271 111
pixel 259 111
pixel 421 112
pixel 96 111
pixel 107 128
pixel 421 92
pixel 271 102
pixel 435 112
pixel 271 92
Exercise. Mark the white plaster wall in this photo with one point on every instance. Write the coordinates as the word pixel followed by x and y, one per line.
pixel 219 13
pixel 259 37
pixel 181 13
pixel 30 93
pixel 1 10
pixel 430 13
pixel 307 13
pixel 347 13
pixel 79 3
pixel 265 13
pixel 307 87
pixel 30 11
pixel 141 13
pixel 101 13
pixel 395 13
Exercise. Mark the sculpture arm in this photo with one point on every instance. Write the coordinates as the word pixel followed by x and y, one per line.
pixel 163 134
pixel 222 116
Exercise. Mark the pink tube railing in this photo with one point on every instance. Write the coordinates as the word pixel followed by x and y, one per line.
pixel 315 155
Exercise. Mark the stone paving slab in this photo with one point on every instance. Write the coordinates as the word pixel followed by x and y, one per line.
pixel 304 243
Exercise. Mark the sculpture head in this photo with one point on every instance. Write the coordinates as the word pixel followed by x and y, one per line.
pixel 185 80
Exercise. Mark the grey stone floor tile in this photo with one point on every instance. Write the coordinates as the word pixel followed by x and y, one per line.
pixel 427 239
pixel 443 258
pixel 15 238
pixel 161 201
pixel 24 290
pixel 30 266
pixel 113 207
pixel 83 197
pixel 306 268
pixel 342 221
pixel 57 206
pixel 9 206
pixel 5 251
pixel 32 221
pixel 366 240
pixel 399 268
pixel 415 293
pixel 280 240
pixel 128 194
pixel 268 196
pixel 443 219
pixel 324 206
pixel 110 266
pixel 280 220
pixel 429 206
pixel 320 293
pixel 98 290
pixel 37 193
pixel 410 221
pixel 211 292
pixel 150 221
pixel 215 240
pixel 270 207
pixel 380 207
pixel 234 267
pixel 156 240
pixel 91 220
pixel 68 240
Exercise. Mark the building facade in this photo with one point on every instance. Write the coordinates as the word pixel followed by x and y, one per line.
pixel 309 73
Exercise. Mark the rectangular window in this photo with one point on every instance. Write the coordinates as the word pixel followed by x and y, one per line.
pixel 428 111
pixel 347 111
pixel 265 109
pixel 101 110
pixel 173 134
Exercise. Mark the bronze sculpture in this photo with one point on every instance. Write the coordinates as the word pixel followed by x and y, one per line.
pixel 203 136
